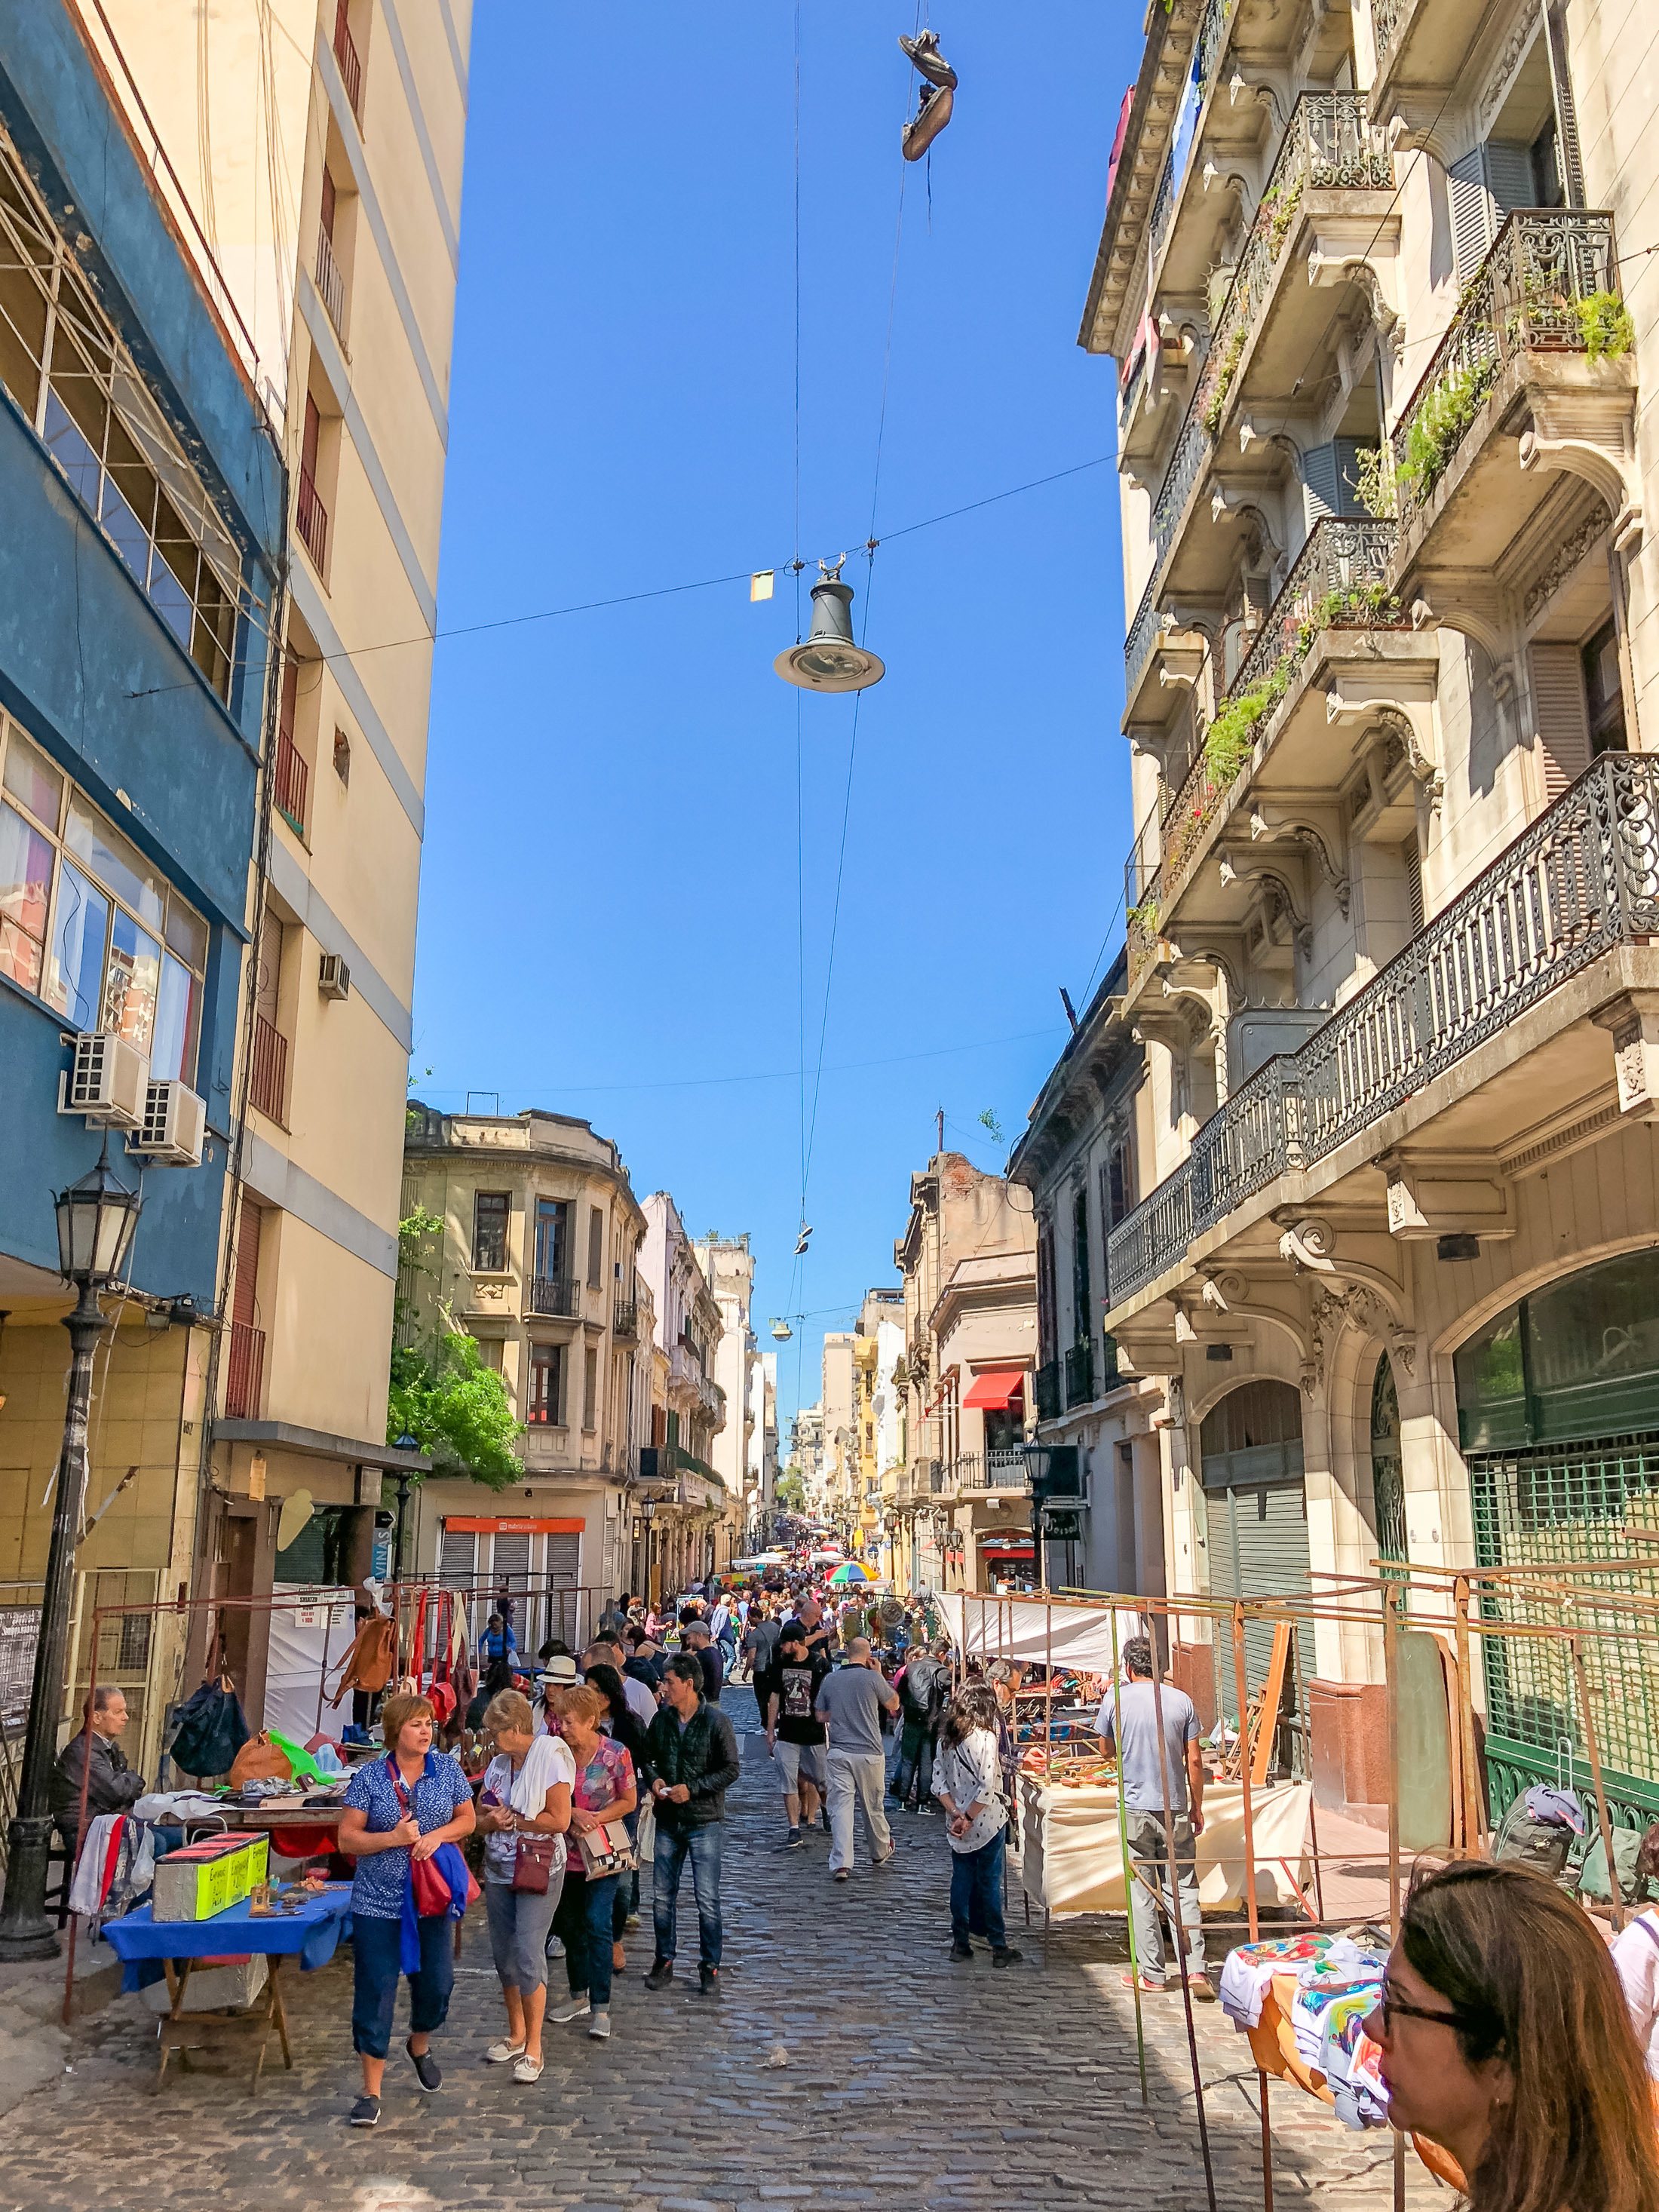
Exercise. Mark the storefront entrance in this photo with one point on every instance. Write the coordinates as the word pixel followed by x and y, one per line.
pixel 1256 1509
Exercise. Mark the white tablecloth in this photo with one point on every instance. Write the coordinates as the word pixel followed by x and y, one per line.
pixel 1070 1858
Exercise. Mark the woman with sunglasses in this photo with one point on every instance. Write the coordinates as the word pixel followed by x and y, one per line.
pixel 1505 2039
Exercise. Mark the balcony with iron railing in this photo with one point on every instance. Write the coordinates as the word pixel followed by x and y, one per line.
pixel 1582 882
pixel 1330 148
pixel 1046 1391
pixel 290 783
pixel 245 1371
pixel 1004 1468
pixel 625 1318
pixel 345 54
pixel 268 1072
pixel 330 285
pixel 1541 332
pixel 1336 598
pixel 311 520
pixel 553 1297
pixel 1079 1373
pixel 1423 48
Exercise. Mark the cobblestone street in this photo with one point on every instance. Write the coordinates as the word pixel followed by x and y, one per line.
pixel 910 2083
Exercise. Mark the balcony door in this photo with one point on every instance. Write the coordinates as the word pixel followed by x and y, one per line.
pixel 553 1238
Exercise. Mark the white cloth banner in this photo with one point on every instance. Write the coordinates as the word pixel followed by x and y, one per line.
pixel 1034 1632
pixel 1071 1859
pixel 310 1630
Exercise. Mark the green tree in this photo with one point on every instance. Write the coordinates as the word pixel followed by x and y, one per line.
pixel 440 1392
pixel 790 1491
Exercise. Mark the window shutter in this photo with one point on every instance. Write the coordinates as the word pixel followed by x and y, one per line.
pixel 245 1285
pixel 1471 212
pixel 595 1246
pixel 1560 716
pixel 1346 453
pixel 1412 856
pixel 458 1552
pixel 510 1560
pixel 564 1549
pixel 1566 115
pixel 1509 174
pixel 590 1388
pixel 1323 495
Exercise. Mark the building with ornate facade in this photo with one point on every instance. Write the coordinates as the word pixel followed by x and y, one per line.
pixel 1392 659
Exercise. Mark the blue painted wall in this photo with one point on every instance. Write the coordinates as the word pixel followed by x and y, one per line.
pixel 88 668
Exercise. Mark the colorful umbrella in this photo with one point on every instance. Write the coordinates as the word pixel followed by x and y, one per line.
pixel 850 1570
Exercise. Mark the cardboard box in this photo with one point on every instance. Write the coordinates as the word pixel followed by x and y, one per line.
pixel 209 1877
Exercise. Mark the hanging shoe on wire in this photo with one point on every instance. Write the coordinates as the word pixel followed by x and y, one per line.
pixel 800 1242
pixel 923 52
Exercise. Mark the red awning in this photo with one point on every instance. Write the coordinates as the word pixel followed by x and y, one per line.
pixel 995 1392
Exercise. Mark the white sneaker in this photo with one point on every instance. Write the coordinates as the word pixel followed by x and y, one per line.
pixel 599 2027
pixel 577 2007
pixel 503 2053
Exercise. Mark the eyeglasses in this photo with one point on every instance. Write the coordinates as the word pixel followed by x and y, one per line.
pixel 1393 2008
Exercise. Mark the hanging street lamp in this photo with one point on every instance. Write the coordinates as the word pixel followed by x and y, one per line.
pixel 830 661
pixel 96 1218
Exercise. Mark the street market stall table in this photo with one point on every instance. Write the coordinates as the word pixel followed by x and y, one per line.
pixel 309 1932
pixel 1070 1859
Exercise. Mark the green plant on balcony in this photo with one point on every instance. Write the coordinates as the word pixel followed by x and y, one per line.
pixel 1231 739
pixel 1280 207
pixel 1146 917
pixel 1358 606
pixel 1373 480
pixel 1438 426
pixel 1605 320
pixel 1215 406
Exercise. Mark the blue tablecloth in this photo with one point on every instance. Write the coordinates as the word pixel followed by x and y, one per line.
pixel 309 1933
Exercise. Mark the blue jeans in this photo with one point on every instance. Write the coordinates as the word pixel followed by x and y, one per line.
pixel 376 1946
pixel 703 1847
pixel 583 1920
pixel 914 1775
pixel 977 1893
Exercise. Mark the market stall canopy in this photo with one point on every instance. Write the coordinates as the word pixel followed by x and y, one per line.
pixel 852 1571
pixel 1032 1629
pixel 995 1392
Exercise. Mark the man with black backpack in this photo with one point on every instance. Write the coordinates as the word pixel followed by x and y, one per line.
pixel 924 1690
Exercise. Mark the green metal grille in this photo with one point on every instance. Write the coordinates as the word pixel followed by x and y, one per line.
pixel 1571 1505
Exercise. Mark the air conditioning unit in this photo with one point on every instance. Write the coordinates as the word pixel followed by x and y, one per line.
pixel 333 977
pixel 174 1122
pixel 106 1081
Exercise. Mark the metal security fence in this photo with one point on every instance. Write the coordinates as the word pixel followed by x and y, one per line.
pixel 1569 1506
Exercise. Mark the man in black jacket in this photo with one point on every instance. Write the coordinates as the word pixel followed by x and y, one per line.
pixel 695 1752
pixel 924 1692
pixel 93 1752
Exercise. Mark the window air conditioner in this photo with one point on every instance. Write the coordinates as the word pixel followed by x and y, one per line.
pixel 172 1127
pixel 333 977
pixel 105 1081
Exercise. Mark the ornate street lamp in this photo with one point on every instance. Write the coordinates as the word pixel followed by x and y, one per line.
pixel 96 1218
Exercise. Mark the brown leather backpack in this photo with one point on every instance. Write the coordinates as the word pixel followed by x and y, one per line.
pixel 367 1666
pixel 260 1760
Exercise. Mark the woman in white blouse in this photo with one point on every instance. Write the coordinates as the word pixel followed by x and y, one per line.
pixel 967 1782
pixel 1636 1958
pixel 524 1804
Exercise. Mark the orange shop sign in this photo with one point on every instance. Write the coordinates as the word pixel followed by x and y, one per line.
pixel 520 1525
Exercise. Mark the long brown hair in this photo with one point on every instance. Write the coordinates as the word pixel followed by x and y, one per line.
pixel 1532 1979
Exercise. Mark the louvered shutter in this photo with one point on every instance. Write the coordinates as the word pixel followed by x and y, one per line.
pixel 245 1281
pixel 564 1550
pixel 1346 453
pixel 1560 715
pixel 1508 176
pixel 1322 492
pixel 509 1565
pixel 1471 212
pixel 457 1551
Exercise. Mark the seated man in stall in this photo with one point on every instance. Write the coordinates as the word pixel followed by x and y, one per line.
pixel 93 1753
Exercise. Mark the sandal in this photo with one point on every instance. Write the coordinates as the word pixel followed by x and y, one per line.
pixel 1147 1989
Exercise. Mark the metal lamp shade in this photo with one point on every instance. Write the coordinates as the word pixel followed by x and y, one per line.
pixel 96 1218
pixel 829 660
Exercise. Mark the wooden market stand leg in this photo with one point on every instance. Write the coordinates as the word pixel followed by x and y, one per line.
pixel 184 2033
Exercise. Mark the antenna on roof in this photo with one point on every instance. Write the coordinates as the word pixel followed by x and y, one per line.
pixel 1066 1002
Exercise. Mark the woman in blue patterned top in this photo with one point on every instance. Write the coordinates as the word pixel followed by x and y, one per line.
pixel 397 1808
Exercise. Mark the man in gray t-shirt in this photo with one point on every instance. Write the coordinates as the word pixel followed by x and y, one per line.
pixel 851 1702
pixel 1153 1819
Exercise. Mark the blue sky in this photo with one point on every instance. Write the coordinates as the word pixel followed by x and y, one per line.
pixel 613 889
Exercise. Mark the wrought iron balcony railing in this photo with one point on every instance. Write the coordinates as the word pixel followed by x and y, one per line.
pixel 268 1070
pixel 345 52
pixel 245 1370
pixel 1337 580
pixel 1045 1390
pixel 625 1318
pixel 1208 47
pixel 329 282
pixel 1549 285
pixel 1080 1373
pixel 1329 144
pixel 1582 879
pixel 1386 18
pixel 311 520
pixel 1005 1468
pixel 556 1297
pixel 291 782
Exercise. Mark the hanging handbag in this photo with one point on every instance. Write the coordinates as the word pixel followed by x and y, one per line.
pixel 260 1760
pixel 367 1665
pixel 432 1893
pixel 209 1730
pixel 606 1850
pixel 536 1860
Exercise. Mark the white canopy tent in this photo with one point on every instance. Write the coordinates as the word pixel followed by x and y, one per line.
pixel 1039 1631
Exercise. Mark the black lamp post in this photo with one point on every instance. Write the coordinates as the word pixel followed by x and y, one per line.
pixel 96 1218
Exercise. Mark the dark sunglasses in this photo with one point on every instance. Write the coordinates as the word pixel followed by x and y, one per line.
pixel 1393 2008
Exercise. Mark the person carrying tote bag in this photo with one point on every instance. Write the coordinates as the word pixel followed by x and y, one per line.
pixel 606 1791
pixel 524 1811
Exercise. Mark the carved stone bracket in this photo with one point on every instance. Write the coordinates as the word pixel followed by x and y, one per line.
pixel 1270 824
pixel 1411 721
pixel 1345 1290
